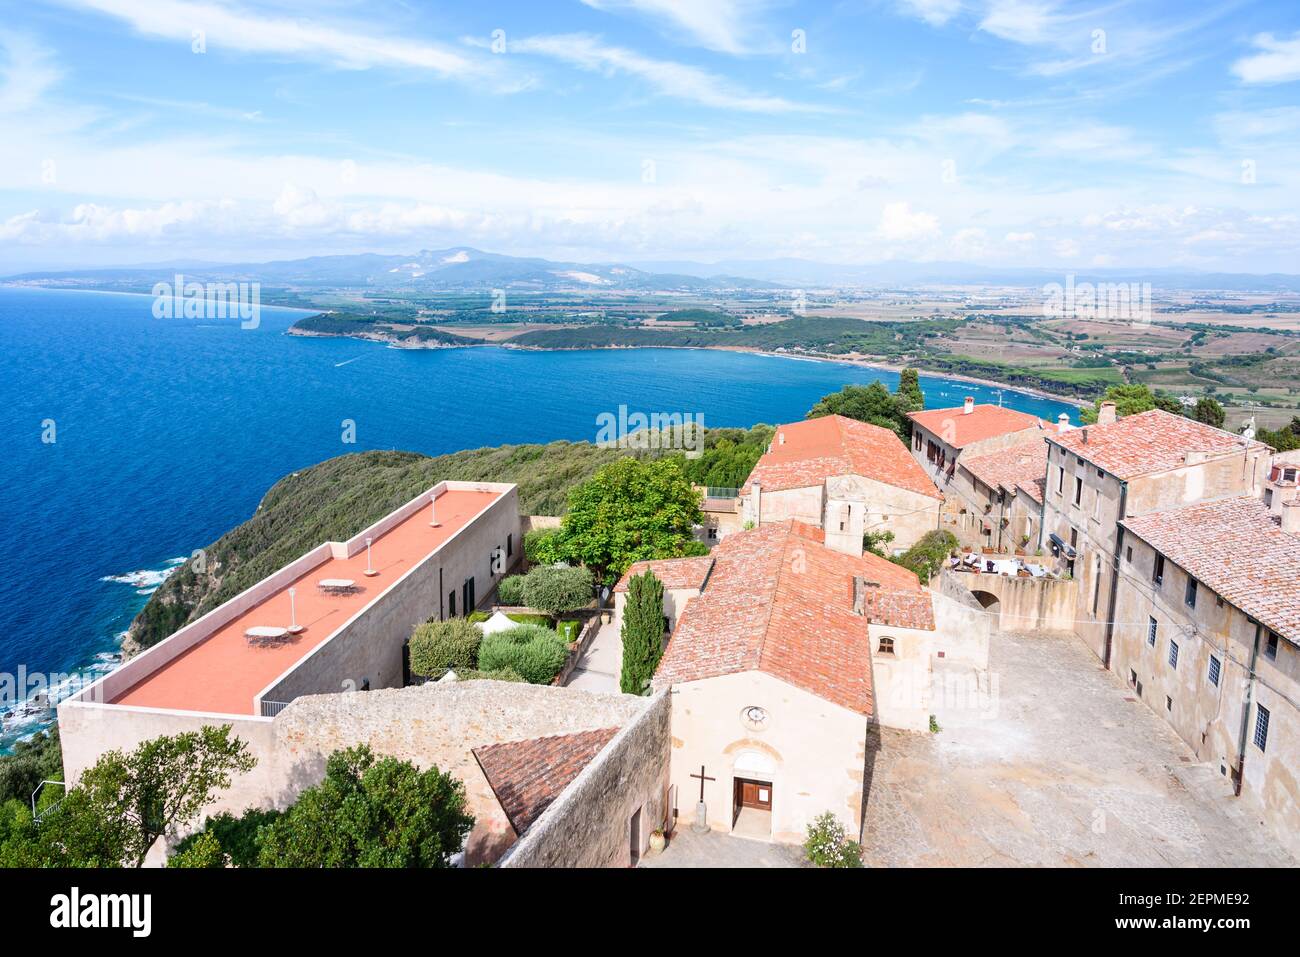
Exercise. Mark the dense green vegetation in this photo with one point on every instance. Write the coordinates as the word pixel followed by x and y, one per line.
pixel 31 762
pixel 557 590
pixel 728 456
pixel 533 652
pixel 1284 439
pixel 351 324
pixel 437 646
pixel 125 802
pixel 629 511
pixel 642 633
pixel 929 554
pixel 370 812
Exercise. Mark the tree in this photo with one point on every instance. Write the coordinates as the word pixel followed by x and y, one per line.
pixel 629 511
pixel 866 403
pixel 908 395
pixel 237 839
pixel 370 813
pixel 828 845
pixel 436 646
pixel 1284 439
pixel 544 546
pixel 163 783
pixel 1130 400
pixel 877 543
pixel 927 556
pixel 1209 411
pixel 204 851
pixel 557 590
pixel 643 632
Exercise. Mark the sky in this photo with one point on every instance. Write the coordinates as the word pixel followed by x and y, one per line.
pixel 996 132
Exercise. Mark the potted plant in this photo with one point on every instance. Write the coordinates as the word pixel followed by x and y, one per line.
pixel 657 841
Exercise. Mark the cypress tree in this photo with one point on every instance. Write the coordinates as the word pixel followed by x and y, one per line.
pixel 643 629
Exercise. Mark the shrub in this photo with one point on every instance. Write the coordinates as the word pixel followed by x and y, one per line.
pixel 543 546
pixel 203 851
pixel 927 556
pixel 569 630
pixel 477 616
pixel 537 654
pixel 510 591
pixel 557 590
pixel 237 839
pixel 501 674
pixel 526 619
pixel 439 645
pixel 828 846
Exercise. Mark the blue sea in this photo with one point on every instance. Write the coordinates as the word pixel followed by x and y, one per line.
pixel 167 432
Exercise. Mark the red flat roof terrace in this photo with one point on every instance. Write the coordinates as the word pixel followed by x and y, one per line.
pixel 224 672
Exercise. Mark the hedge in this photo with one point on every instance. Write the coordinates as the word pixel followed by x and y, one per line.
pixel 557 589
pixel 510 591
pixel 439 645
pixel 536 653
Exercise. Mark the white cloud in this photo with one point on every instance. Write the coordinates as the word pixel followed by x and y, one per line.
pixel 898 223
pixel 934 12
pixel 669 78
pixel 1278 61
pixel 725 26
pixel 27 71
pixel 1020 21
pixel 226 28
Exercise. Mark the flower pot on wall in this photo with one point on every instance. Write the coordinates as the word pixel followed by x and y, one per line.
pixel 657 841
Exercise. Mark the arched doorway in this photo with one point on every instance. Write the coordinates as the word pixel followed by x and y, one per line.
pixel 991 604
pixel 751 800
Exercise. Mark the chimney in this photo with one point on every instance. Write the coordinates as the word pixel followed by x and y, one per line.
pixel 1084 433
pixel 756 500
pixel 969 407
pixel 1106 414
pixel 1063 422
pixel 780 438
pixel 1291 517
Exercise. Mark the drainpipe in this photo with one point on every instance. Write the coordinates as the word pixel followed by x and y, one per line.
pixel 1114 573
pixel 1245 716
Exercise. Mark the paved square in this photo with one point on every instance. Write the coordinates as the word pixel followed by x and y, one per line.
pixel 1063 772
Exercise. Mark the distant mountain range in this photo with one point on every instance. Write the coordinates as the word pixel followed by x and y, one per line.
pixel 439 270
pixel 465 268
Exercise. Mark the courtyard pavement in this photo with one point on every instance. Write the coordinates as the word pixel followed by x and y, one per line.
pixel 1061 768
pixel 716 849
pixel 599 667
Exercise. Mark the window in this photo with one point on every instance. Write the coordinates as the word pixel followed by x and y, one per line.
pixel 1152 626
pixel 1268 496
pixel 1189 596
pixel 886 647
pixel 1173 654
pixel 1096 506
pixel 1214 671
pixel 1128 556
pixel 1100 474
pixel 510 544
pixel 1078 489
pixel 1132 677
pixel 1261 727
pixel 1270 648
pixel 1060 479
pixel 1158 570
pixel 713 533
pixel 451 603
pixel 1169 703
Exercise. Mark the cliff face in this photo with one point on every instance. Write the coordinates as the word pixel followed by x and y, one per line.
pixel 333 501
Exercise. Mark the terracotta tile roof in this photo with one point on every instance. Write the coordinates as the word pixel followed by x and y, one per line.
pixel 817 449
pixel 1238 549
pixel 1147 442
pixel 958 428
pixel 526 776
pixel 1011 467
pixel 1033 489
pixel 781 602
pixel 673 572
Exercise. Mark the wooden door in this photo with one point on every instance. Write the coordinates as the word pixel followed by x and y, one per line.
pixel 755 794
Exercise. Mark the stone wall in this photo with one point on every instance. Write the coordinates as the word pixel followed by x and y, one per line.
pixel 588 825
pixel 1022 604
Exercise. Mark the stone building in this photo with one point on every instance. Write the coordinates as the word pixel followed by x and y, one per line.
pixel 843 476
pixel 1005 489
pixel 1206 632
pixel 790 652
pixel 1099 475
pixel 944 439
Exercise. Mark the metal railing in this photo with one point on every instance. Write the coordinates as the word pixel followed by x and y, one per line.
pixel 271 708
pixel 718 491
